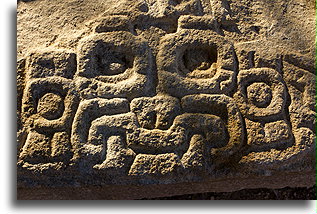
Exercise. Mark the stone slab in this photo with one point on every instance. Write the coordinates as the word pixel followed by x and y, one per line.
pixel 133 99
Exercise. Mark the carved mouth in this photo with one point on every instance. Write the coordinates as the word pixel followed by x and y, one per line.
pixel 212 120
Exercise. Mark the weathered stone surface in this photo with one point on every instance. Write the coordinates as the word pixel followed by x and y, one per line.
pixel 133 99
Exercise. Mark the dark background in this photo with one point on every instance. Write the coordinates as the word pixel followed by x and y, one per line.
pixel 287 193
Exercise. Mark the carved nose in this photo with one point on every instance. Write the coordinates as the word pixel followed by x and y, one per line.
pixel 156 112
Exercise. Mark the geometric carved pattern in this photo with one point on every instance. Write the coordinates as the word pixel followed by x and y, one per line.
pixel 220 134
pixel 49 105
pixel 261 93
pixel 190 103
pixel 194 61
pixel 114 64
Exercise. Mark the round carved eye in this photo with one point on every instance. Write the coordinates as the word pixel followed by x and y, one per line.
pixel 260 94
pixel 50 106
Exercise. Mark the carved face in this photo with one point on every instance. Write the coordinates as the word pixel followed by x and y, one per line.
pixel 153 100
pixel 193 74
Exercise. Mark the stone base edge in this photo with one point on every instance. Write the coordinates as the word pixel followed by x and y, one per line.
pixel 129 192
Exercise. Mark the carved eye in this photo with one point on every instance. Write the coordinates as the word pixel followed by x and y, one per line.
pixel 200 61
pixel 260 94
pixel 51 106
pixel 110 62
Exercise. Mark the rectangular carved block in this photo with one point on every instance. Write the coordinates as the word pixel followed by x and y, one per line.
pixel 158 98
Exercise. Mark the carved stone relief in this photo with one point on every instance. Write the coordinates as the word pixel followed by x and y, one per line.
pixel 164 94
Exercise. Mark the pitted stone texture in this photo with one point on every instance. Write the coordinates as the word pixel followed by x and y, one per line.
pixel 164 96
pixel 195 61
pixel 52 63
pixel 156 112
pixel 115 64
